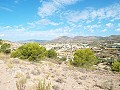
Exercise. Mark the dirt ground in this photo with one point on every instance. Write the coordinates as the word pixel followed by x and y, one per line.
pixel 59 76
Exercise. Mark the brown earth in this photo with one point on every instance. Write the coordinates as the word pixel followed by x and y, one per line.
pixel 60 76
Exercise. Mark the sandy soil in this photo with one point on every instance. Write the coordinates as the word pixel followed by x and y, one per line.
pixel 61 76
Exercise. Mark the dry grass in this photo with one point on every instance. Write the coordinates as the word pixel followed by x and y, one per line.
pixel 9 63
pixel 42 85
pixel 19 75
pixel 20 84
pixel 4 56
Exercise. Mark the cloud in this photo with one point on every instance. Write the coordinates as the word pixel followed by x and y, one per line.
pixel 109 25
pixel 16 1
pixel 2 35
pixel 104 30
pixel 6 9
pixel 119 25
pixel 111 12
pixel 17 32
pixel 118 29
pixel 91 28
pixel 42 23
pixel 18 28
pixel 46 22
pixel 49 8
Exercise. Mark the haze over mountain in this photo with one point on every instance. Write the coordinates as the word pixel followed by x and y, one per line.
pixel 115 38
pixel 32 40
pixel 62 39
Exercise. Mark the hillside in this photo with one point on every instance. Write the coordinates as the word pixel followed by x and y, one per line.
pixel 115 38
pixel 62 39
pixel 61 76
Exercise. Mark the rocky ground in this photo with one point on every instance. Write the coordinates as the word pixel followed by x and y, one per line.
pixel 59 76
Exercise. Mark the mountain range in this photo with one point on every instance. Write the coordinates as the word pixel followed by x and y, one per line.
pixel 115 38
pixel 66 39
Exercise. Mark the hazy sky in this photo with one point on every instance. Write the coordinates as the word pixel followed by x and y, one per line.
pixel 48 19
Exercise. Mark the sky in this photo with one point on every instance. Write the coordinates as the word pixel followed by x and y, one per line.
pixel 48 19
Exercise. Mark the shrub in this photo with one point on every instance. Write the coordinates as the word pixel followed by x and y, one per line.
pixel 1 41
pixel 51 53
pixel 30 51
pixel 5 48
pixel 84 58
pixel 116 66
pixel 15 54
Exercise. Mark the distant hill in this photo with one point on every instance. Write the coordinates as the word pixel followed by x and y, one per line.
pixel 62 39
pixel 65 39
pixel 32 40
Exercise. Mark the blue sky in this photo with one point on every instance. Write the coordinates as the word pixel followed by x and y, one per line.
pixel 48 19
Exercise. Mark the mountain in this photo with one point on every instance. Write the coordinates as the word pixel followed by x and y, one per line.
pixel 61 39
pixel 65 39
pixel 32 40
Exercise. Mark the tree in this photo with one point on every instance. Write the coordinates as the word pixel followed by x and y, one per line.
pixel 5 48
pixel 1 41
pixel 51 53
pixel 84 58
pixel 30 51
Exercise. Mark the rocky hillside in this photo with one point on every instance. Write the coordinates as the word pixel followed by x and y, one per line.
pixel 115 38
pixel 60 76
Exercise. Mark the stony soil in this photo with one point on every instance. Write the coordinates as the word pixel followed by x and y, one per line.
pixel 60 76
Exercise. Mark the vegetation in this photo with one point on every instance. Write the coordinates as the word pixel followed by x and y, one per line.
pixel 5 48
pixel 9 64
pixel 43 86
pixel 30 51
pixel 51 53
pixel 33 52
pixel 63 58
pixel 20 84
pixel 84 58
pixel 116 66
pixel 1 41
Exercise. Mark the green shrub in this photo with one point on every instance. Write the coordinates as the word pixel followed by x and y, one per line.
pixel 15 54
pixel 116 66
pixel 5 48
pixel 84 58
pixel 51 53
pixel 1 41
pixel 30 51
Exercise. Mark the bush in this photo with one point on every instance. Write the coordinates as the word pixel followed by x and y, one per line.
pixel 1 41
pixel 116 66
pixel 30 51
pixel 5 48
pixel 51 53
pixel 15 54
pixel 84 58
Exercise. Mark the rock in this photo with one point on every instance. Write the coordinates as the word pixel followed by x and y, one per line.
pixel 83 77
pixel 35 72
pixel 55 87
pixel 106 85
pixel 59 80
pixel 15 61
